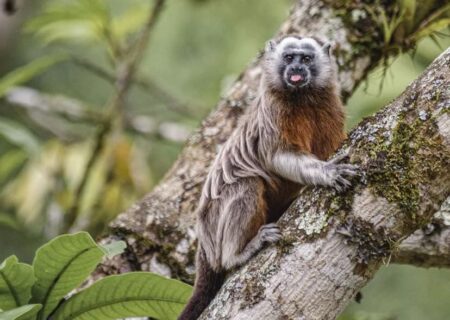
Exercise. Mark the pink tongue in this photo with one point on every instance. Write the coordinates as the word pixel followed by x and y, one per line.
pixel 296 78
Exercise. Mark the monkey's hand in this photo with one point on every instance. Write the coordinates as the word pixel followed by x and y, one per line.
pixel 336 175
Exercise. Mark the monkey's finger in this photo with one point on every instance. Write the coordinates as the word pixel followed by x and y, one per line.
pixel 269 226
pixel 349 172
pixel 270 235
pixel 271 238
pixel 337 187
pixel 344 154
pixel 337 159
pixel 271 230
pixel 347 166
pixel 344 183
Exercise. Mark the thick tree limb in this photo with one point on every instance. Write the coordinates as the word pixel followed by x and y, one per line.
pixel 160 228
pixel 333 244
pixel 429 246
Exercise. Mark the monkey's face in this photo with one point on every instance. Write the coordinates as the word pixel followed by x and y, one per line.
pixel 295 63
pixel 297 68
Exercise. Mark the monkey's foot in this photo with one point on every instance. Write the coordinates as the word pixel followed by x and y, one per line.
pixel 269 233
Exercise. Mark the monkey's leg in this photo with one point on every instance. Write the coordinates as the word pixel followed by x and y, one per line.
pixel 243 224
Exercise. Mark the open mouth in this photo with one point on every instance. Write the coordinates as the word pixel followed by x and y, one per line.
pixel 296 80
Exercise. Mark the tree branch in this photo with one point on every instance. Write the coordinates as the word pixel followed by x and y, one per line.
pixel 333 244
pixel 429 246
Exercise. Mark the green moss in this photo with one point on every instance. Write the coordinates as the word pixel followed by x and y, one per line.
pixel 340 205
pixel 397 168
pixel 391 177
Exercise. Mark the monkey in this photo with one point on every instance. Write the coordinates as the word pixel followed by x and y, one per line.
pixel 281 143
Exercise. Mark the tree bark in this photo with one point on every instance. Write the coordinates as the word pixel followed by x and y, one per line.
pixel 159 229
pixel 333 244
pixel 429 246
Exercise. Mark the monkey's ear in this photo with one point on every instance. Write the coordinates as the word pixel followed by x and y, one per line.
pixel 270 46
pixel 327 48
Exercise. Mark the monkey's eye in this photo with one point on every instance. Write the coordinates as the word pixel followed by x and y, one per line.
pixel 288 58
pixel 306 59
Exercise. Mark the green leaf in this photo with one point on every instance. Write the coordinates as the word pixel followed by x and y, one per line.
pixel 18 135
pixel 29 71
pixel 60 266
pixel 16 280
pixel 76 20
pixel 114 248
pixel 26 312
pixel 135 294
pixel 432 27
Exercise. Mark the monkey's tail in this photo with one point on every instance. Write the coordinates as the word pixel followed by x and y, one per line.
pixel 207 285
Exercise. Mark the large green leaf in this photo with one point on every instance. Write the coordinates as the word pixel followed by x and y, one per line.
pixel 29 71
pixel 114 248
pixel 136 294
pixel 62 265
pixel 26 312
pixel 16 280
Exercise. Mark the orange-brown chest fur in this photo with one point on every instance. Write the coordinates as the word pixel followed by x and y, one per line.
pixel 316 129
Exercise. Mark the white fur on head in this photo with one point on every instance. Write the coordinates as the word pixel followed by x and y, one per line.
pixel 274 56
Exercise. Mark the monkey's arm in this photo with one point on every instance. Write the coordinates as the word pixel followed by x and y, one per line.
pixel 308 170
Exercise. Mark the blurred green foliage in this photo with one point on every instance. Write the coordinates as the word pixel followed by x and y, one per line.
pixel 70 51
